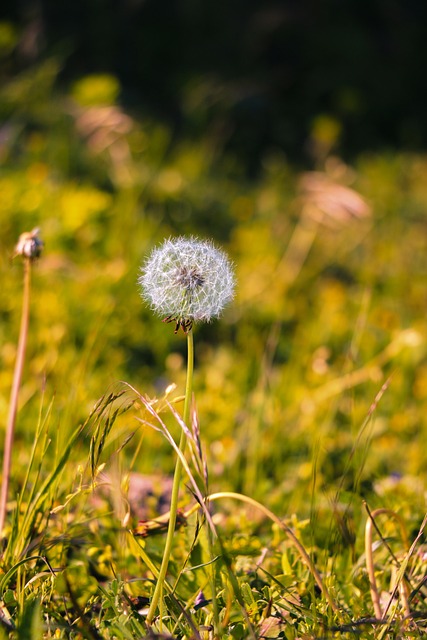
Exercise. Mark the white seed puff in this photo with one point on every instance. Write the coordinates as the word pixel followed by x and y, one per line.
pixel 29 244
pixel 187 279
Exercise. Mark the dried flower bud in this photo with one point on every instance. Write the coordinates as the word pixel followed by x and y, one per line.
pixel 29 244
pixel 186 280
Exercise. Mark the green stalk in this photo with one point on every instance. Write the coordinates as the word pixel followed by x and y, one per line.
pixel 13 404
pixel 176 483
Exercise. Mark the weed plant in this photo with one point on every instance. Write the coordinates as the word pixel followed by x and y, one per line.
pixel 301 510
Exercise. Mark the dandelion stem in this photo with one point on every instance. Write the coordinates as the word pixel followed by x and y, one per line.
pixel 176 483
pixel 13 405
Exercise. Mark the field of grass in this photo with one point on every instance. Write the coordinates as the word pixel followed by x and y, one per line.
pixel 302 501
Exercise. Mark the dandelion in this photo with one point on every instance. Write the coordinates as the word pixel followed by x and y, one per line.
pixel 29 246
pixel 187 280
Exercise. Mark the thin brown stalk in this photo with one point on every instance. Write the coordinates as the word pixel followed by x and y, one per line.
pixel 289 532
pixel 13 405
pixel 370 567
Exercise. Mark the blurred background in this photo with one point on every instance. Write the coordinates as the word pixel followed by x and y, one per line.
pixel 293 76
pixel 292 133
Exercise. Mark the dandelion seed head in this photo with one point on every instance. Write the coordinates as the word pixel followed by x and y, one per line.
pixel 186 280
pixel 29 244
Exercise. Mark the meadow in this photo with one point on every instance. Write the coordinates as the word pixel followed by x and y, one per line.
pixel 302 501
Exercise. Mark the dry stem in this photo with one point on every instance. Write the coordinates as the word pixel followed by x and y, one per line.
pixel 13 405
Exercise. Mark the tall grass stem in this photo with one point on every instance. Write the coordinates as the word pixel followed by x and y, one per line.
pixel 297 544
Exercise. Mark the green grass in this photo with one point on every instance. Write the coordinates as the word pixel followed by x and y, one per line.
pixel 311 391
